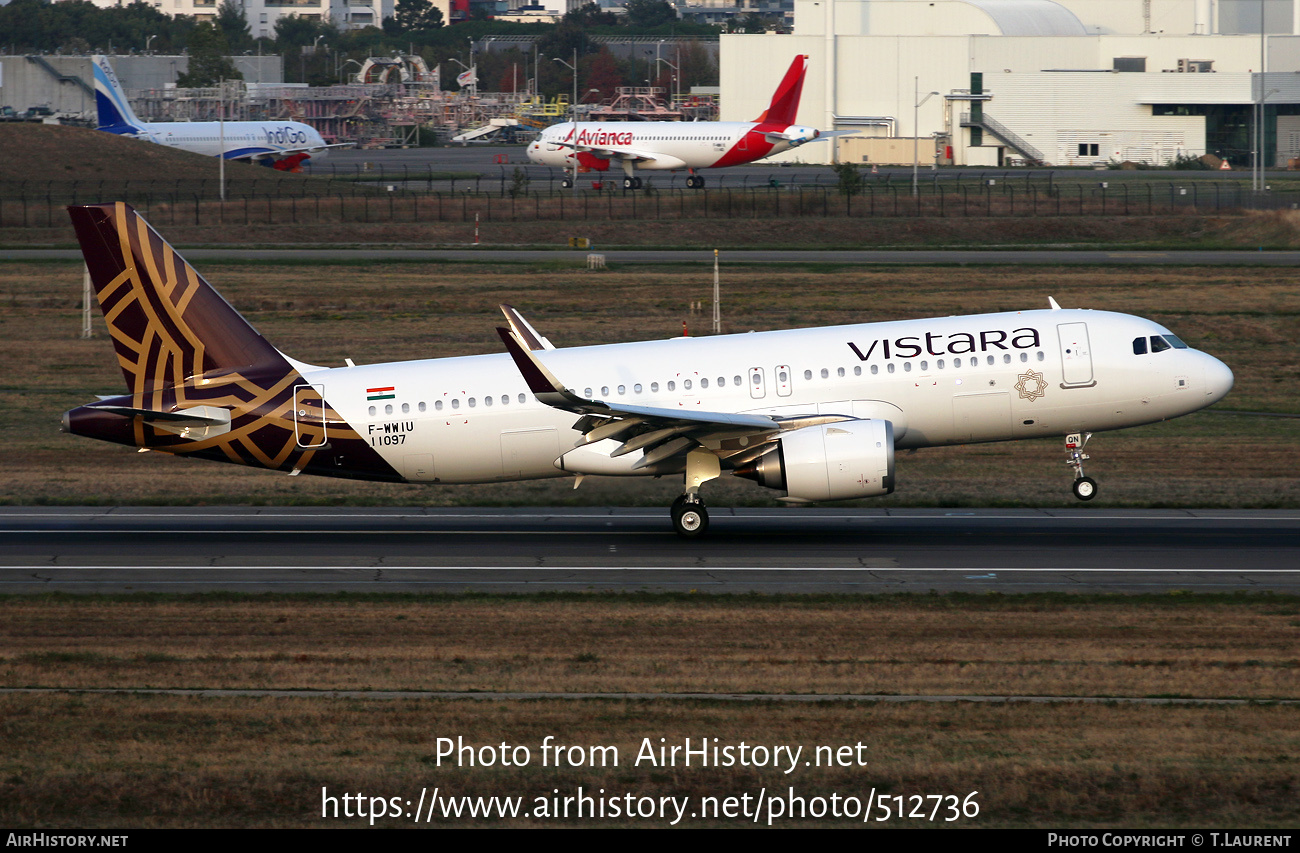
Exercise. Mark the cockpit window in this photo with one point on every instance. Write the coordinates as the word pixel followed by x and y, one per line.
pixel 1159 344
pixel 1176 341
pixel 1140 346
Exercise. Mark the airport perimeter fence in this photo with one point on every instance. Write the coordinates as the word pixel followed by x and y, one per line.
pixel 290 202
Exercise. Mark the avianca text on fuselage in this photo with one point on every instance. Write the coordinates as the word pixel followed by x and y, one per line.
pixel 673 146
pixel 955 343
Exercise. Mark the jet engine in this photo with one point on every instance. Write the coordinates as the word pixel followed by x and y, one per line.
pixel 828 462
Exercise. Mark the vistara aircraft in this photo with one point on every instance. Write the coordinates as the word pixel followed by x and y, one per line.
pixel 677 145
pixel 815 414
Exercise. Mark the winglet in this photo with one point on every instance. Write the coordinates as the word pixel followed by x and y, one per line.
pixel 1051 301
pixel 785 102
pixel 524 330
pixel 545 387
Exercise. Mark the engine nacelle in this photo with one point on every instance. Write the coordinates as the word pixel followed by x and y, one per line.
pixel 829 462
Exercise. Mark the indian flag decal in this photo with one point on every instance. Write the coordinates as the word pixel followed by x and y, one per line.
pixel 381 393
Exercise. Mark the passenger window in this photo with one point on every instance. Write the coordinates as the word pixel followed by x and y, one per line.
pixel 1139 346
pixel 637 388
pixel 990 359
pixel 807 374
pixel 1041 357
pixel 521 398
pixel 782 376
pixel 471 402
pixel 487 401
pixel 737 382
pixel 875 368
pixel 1006 358
pixel 1159 344
pixel 672 386
pixel 722 382
pixel 604 390
pixel 437 404
pixel 857 370
pixel 455 404
pixel 406 408
pixel 388 410
pixel 622 389
pixel 686 385
pixel 839 372
pixel 422 407
pixel 505 399
pixel 654 387
pixel 372 410
pixel 956 362
pixel 704 383
pixel 891 367
pixel 1024 356
pixel 586 392
pixel 825 373
pixel 925 365
pixel 907 367
pixel 939 364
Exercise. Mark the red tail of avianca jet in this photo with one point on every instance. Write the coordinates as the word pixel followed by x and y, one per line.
pixel 676 145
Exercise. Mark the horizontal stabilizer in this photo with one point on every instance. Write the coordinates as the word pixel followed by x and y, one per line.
pixel 194 422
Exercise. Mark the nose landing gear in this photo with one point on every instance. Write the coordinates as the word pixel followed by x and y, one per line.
pixel 1085 488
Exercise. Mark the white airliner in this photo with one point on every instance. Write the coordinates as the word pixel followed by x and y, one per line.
pixel 676 145
pixel 816 414
pixel 282 145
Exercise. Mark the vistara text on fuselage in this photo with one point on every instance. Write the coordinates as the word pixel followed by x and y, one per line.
pixel 814 414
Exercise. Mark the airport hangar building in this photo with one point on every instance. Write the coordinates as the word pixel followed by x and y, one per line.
pixel 1068 83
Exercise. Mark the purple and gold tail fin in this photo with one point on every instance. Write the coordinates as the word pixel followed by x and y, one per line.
pixel 170 328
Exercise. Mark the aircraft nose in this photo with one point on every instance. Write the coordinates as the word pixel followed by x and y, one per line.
pixel 1218 379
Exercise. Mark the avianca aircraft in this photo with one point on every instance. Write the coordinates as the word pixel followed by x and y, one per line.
pixel 815 414
pixel 675 145
pixel 282 145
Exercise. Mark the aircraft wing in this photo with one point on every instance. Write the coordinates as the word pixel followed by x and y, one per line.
pixel 258 153
pixel 615 152
pixel 659 433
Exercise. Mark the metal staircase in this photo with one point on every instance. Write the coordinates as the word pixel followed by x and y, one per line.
pixel 1010 137
pixel 60 76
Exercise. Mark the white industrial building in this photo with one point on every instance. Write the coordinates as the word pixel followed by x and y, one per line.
pixel 1072 82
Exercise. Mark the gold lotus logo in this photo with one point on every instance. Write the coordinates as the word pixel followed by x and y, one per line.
pixel 1031 386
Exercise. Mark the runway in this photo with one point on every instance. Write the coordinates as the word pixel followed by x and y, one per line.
pixel 142 549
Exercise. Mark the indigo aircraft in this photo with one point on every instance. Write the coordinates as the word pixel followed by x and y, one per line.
pixel 282 145
pixel 814 414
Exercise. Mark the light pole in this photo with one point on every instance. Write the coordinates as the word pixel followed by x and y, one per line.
pixel 916 128
pixel 677 80
pixel 573 110
pixel 146 42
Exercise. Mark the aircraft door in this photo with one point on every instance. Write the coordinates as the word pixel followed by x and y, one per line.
pixel 309 415
pixel 757 387
pixel 783 380
pixel 1076 355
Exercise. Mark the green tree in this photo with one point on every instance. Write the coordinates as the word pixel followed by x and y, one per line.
pixel 648 14
pixel 848 178
pixel 591 15
pixel 233 24
pixel 208 58
pixel 413 16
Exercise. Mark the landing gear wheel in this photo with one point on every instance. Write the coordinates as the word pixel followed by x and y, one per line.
pixel 567 183
pixel 689 519
pixel 1085 488
pixel 636 183
pixel 629 183
pixel 695 182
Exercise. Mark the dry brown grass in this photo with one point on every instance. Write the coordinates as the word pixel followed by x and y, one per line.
pixel 323 313
pixel 142 761
pixel 1044 646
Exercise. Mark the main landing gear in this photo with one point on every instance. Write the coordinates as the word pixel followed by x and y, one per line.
pixel 631 183
pixel 694 182
pixel 1085 488
pixel 690 518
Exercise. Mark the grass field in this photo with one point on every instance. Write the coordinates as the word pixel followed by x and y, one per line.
pixel 324 313
pixel 157 760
